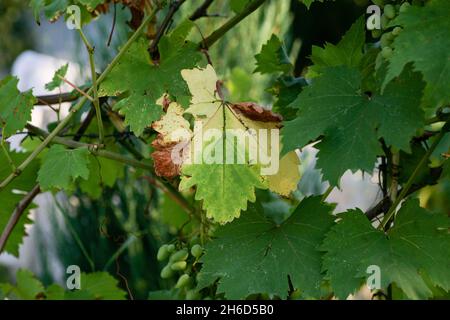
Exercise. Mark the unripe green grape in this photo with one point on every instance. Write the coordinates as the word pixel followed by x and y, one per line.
pixel 376 33
pixel 386 39
pixel 404 7
pixel 386 52
pixel 163 253
pixel 397 31
pixel 179 266
pixel 197 251
pixel 183 281
pixel 389 11
pixel 384 21
pixel 171 248
pixel 192 295
pixel 179 255
pixel 167 272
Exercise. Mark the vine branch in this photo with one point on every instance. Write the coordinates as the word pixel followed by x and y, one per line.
pixel 390 214
pixel 216 35
pixel 90 49
pixel 78 106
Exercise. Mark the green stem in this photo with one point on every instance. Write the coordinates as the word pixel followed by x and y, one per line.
pixel 93 148
pixel 394 184
pixel 75 235
pixel 119 251
pixel 390 214
pixel 327 193
pixel 216 35
pixel 90 50
pixel 77 107
pixel 7 155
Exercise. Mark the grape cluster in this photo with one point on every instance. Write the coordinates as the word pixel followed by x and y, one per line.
pixel 391 9
pixel 181 266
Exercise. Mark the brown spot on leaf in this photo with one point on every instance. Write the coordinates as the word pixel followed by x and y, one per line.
pixel 256 112
pixel 162 157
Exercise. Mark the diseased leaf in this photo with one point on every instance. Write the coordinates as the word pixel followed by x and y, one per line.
pixel 424 41
pixel 61 167
pixel 254 255
pixel 222 165
pixel 286 180
pixel 418 244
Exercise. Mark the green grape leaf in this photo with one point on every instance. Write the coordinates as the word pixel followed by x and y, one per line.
pixel 286 89
pixel 56 80
pixel 144 81
pixel 102 173
pixel 11 196
pixel 97 286
pixel 348 52
pixel 273 58
pixel 15 107
pixel 224 188
pixel 28 287
pixel 61 167
pixel 350 121
pixel 254 255
pixel 424 41
pixel 238 5
pixel 308 3
pixel 417 245
pixel 90 4
pixel 52 9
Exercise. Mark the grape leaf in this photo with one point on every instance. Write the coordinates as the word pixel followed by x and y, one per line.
pixel 254 255
pixel 56 80
pixel 102 173
pixel 417 244
pixel 238 5
pixel 285 181
pixel 53 9
pixel 351 121
pixel 27 287
pixel 15 107
pixel 424 41
pixel 286 89
pixel 273 58
pixel 145 81
pixel 308 3
pixel 226 186
pixel 97 286
pixel 61 167
pixel 10 197
pixel 348 52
